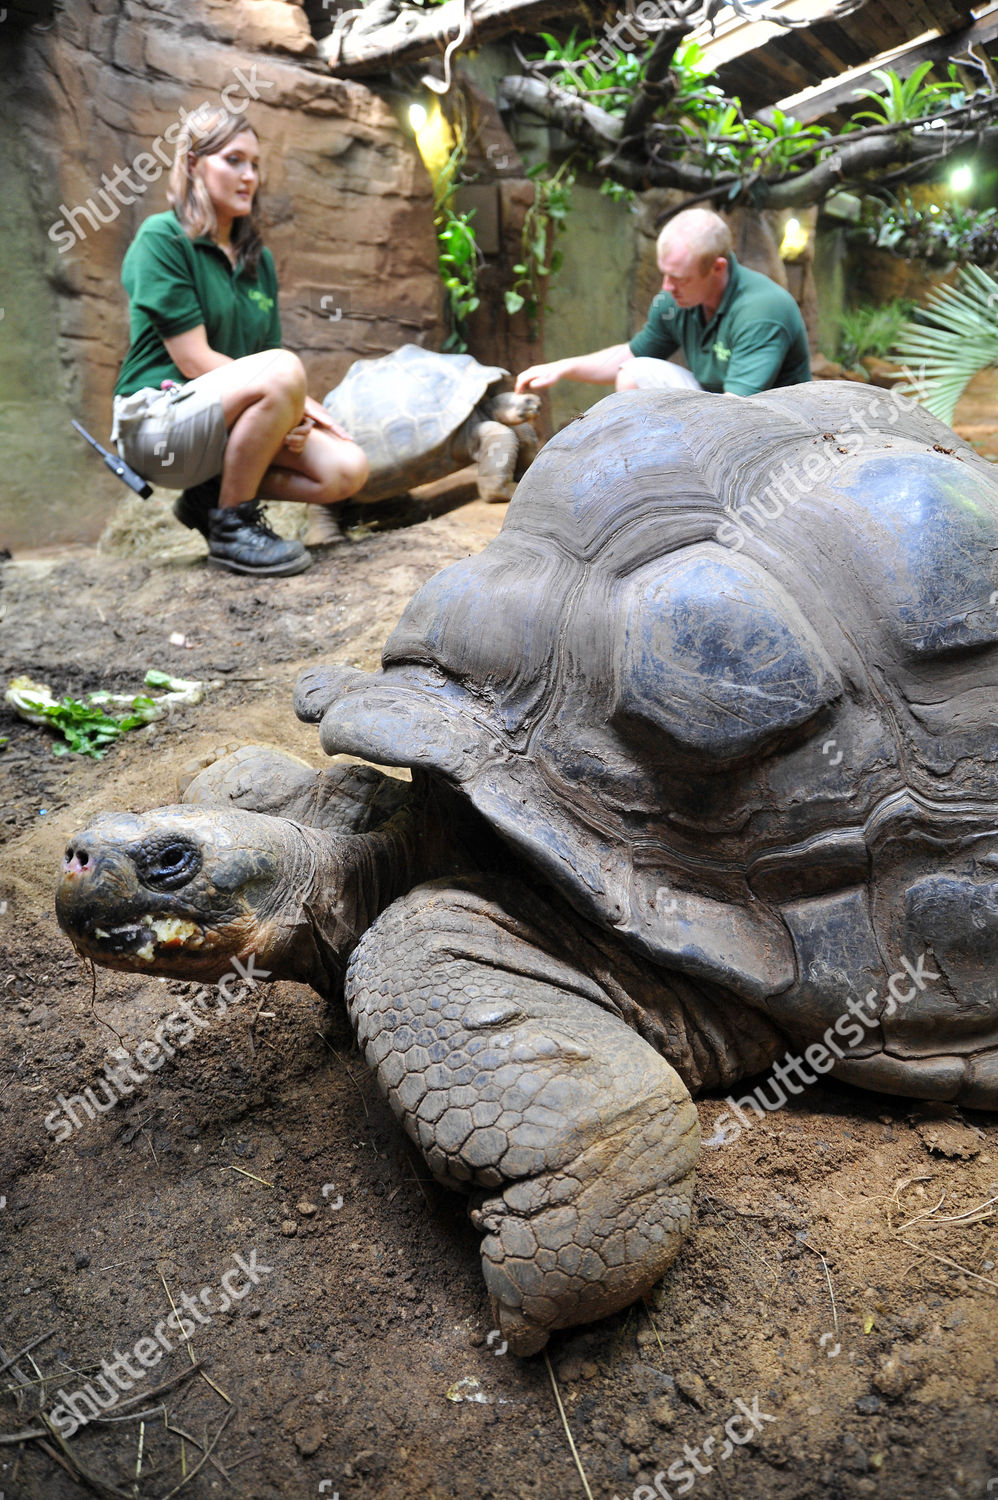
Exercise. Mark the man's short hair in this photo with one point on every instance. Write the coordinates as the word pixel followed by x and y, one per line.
pixel 701 231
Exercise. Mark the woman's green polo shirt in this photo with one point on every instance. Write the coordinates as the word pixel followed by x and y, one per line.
pixel 173 284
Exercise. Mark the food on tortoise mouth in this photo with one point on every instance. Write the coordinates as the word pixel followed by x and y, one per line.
pixel 703 752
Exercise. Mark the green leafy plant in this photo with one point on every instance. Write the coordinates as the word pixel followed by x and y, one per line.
pixel 871 329
pixel 607 75
pixel 616 191
pixel 951 339
pixel 732 141
pixel 544 221
pixel 690 71
pixel 695 114
pixel 905 98
pixel 458 255
pixel 945 234
pixel 458 262
pixel 88 728
pixel 784 139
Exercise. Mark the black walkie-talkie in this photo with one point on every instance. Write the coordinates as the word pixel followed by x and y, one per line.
pixel 117 465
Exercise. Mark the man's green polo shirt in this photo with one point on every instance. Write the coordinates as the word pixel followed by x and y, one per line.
pixel 173 284
pixel 755 340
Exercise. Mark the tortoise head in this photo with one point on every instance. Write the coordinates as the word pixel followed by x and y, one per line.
pixel 184 891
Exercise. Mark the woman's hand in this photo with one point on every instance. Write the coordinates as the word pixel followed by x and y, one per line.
pixel 315 416
pixel 321 418
pixel 297 437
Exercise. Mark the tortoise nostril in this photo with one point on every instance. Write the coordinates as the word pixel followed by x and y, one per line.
pixel 80 856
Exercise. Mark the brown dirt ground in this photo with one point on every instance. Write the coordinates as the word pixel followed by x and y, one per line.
pixel 336 1367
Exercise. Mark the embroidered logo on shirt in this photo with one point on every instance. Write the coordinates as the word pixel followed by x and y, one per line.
pixel 261 299
pixel 721 352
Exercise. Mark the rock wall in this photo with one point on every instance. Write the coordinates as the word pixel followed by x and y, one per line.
pixel 91 87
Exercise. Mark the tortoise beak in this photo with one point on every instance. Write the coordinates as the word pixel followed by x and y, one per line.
pixel 181 891
pixel 114 917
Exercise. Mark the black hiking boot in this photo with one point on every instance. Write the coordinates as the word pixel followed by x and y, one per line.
pixel 192 507
pixel 242 540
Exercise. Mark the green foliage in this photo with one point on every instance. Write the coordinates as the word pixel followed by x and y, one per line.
pixel 690 69
pixel 608 75
pixel 734 142
pixel 87 728
pixel 951 339
pixel 616 192
pixel 940 235
pixel 906 99
pixel 871 329
pixel 545 220
pixel 458 262
pixel 458 256
pixel 696 121
pixel 698 112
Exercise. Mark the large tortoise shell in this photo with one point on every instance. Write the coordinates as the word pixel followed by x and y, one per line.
pixel 728 678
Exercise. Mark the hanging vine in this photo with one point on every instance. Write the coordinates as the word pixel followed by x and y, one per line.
pixel 544 222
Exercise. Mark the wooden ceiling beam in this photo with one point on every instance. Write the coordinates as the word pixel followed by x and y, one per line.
pixel 839 94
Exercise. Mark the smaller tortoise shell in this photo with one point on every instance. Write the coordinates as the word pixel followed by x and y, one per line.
pixel 404 410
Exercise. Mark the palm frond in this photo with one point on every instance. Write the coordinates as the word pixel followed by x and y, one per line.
pixel 954 338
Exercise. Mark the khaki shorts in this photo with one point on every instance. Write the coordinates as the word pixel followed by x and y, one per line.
pixel 175 438
pixel 661 374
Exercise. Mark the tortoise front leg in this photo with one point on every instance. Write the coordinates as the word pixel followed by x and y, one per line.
pixel 512 1077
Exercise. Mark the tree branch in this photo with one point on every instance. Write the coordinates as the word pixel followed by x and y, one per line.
pixel 585 123
pixel 385 36
pixel 658 87
pixel 863 156
pixel 646 162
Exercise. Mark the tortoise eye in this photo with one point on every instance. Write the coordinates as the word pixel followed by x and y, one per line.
pixel 167 863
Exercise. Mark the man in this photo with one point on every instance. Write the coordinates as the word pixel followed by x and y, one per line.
pixel 739 332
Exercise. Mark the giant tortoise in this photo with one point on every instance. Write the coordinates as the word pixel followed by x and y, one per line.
pixel 419 416
pixel 703 752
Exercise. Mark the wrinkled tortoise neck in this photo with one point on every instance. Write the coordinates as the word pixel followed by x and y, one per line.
pixel 358 876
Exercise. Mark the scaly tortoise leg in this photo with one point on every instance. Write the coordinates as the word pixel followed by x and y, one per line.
pixel 514 1080
pixel 495 449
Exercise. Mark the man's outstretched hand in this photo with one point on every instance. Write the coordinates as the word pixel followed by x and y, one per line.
pixel 539 377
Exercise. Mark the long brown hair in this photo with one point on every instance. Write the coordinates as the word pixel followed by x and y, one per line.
pixel 206 130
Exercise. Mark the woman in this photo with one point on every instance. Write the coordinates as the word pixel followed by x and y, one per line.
pixel 207 398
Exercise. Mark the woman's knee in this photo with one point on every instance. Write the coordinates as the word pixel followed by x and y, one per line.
pixel 356 468
pixel 346 472
pixel 276 377
pixel 285 373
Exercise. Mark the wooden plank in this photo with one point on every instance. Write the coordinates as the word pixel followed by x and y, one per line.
pixel 757 88
pixel 828 57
